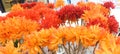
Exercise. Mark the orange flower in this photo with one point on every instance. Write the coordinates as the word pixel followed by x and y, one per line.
pixel 15 28
pixel 99 12
pixel 16 7
pixel 59 3
pixel 31 43
pixel 91 35
pixel 105 46
pixel 50 39
pixel 69 35
pixel 96 16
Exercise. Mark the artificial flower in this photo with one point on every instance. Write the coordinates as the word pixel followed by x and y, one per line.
pixel 95 19
pixel 93 36
pixel 48 38
pixel 59 3
pixel 27 13
pixel 105 46
pixel 70 13
pixel 50 20
pixel 113 24
pixel 109 5
pixel 31 43
pixel 15 28
pixel 16 7
pixel 69 32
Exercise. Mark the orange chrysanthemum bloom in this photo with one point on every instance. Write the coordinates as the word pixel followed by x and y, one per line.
pixel 49 38
pixel 96 16
pixel 69 36
pixel 15 28
pixel 16 7
pixel 59 3
pixel 32 43
pixel 97 11
pixel 91 35
pixel 105 46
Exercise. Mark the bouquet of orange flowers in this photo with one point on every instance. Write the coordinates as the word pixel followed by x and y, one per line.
pixel 37 28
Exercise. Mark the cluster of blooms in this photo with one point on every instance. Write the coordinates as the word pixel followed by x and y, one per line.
pixel 15 28
pixel 53 37
pixel 105 46
pixel 100 15
pixel 109 5
pixel 37 26
pixel 39 12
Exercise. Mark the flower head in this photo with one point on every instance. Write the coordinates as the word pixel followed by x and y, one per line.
pixel 17 7
pixel 50 20
pixel 59 3
pixel 113 24
pixel 109 5
pixel 93 36
pixel 15 28
pixel 27 13
pixel 70 13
